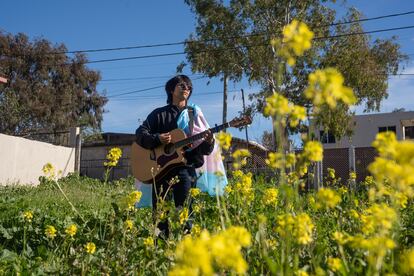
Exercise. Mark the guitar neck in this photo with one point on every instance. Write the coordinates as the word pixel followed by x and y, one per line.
pixel 200 135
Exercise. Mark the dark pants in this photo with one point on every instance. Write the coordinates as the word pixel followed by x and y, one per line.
pixel 186 180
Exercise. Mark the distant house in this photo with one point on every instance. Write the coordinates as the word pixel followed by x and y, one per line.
pixel 93 155
pixel 355 152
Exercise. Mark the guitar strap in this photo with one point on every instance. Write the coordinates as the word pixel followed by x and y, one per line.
pixel 191 117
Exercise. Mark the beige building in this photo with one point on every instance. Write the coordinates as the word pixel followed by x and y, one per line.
pixel 355 153
pixel 366 127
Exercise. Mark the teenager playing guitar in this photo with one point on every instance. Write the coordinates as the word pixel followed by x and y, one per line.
pixel 155 131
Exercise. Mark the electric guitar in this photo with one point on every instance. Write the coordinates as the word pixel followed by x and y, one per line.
pixel 149 165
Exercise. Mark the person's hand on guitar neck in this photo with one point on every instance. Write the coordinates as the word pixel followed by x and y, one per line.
pixel 165 138
pixel 208 137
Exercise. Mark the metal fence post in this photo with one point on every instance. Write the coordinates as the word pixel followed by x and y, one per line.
pixel 75 142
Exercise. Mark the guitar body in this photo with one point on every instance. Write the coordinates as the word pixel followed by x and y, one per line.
pixel 148 165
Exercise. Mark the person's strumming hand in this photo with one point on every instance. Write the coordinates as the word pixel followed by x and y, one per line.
pixel 165 138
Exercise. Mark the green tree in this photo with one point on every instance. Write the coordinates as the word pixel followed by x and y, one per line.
pixel 241 46
pixel 47 90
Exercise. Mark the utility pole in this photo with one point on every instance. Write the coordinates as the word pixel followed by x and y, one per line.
pixel 244 111
pixel 225 99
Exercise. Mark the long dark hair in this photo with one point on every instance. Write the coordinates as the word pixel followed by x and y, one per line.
pixel 172 83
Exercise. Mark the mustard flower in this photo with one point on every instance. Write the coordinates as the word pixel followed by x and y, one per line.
pixel 334 264
pixel 90 247
pixel 49 171
pixel 327 198
pixel 196 230
pixel 300 227
pixel 71 230
pixel 130 200
pixel 352 175
pixel 128 225
pixel 183 215
pixel 301 272
pixel 240 158
pixel 298 114
pixel 378 218
pixel 277 105
pixel 340 237
pixel 113 157
pixel 326 87
pixel 149 242
pixel 407 261
pixel 331 173
pixel 312 151
pixel 270 196
pixel 196 208
pixel 50 232
pixel 28 216
pixel 224 140
pixel 194 192
pixel 304 229
pixel 296 40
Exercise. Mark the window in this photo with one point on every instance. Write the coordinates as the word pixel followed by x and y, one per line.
pixel 409 132
pixel 326 137
pixel 388 128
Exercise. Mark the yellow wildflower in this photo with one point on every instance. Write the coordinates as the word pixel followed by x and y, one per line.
pixel 240 158
pixel 90 248
pixel 326 87
pixel 407 261
pixel 354 213
pixel 130 200
pixel 196 208
pixel 304 228
pixel 224 140
pixel 128 225
pixel 28 216
pixel 352 175
pixel 297 39
pixel 334 264
pixel 298 114
pixel 183 215
pixel 113 157
pixel 49 171
pixel 340 237
pixel 277 105
pixel 331 173
pixel 313 151
pixel 327 198
pixel 194 192
pixel 71 230
pixel 196 230
pixel 270 196
pixel 149 242
pixel 378 218
pixel 300 227
pixel 50 232
pixel 301 272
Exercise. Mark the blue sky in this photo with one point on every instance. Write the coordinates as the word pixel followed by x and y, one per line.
pixel 95 24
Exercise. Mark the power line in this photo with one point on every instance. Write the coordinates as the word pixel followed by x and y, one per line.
pixel 257 34
pixel 261 45
pixel 145 89
pixel 145 78
pixel 149 97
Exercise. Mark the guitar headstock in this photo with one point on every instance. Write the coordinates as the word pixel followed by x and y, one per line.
pixel 241 121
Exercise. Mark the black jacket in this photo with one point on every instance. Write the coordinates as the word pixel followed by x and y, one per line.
pixel 162 120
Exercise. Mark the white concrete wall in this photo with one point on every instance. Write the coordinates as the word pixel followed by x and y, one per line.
pixel 22 160
pixel 366 128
